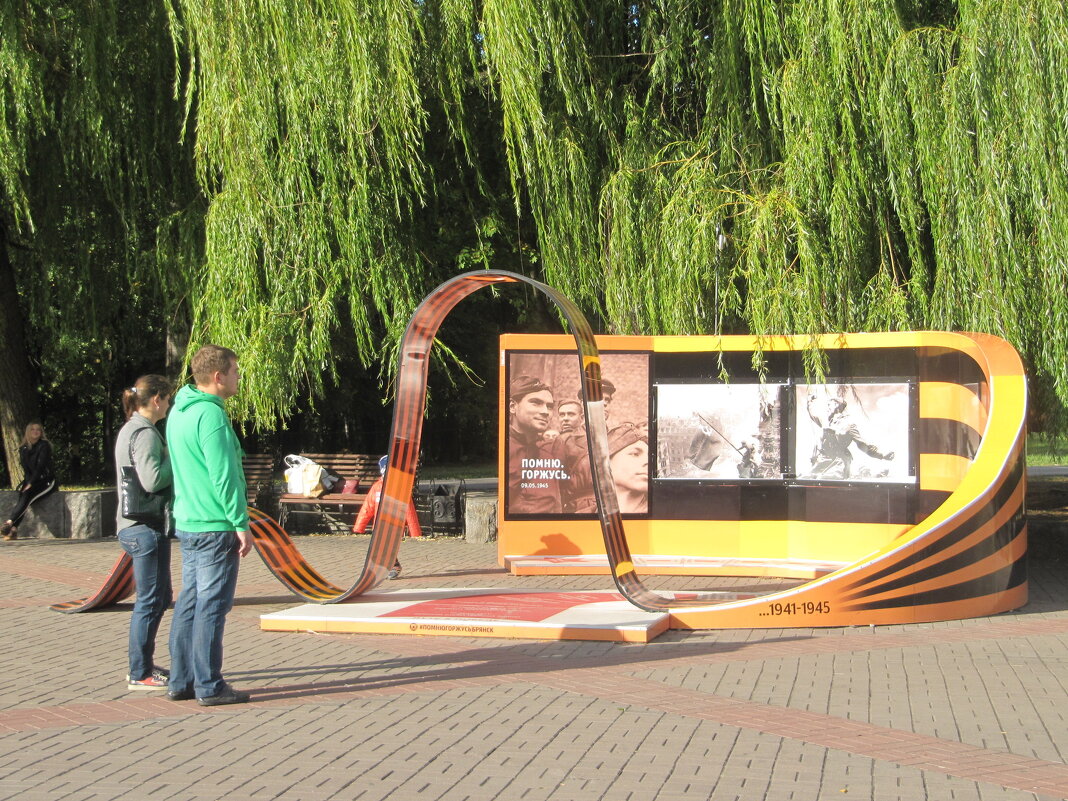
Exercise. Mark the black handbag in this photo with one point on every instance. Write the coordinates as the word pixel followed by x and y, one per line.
pixel 137 503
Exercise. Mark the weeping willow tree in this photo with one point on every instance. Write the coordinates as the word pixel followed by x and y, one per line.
pixel 90 165
pixel 677 167
pixel 853 167
pixel 309 128
pixel 742 165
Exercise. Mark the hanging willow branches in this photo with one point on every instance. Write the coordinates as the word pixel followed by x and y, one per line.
pixel 688 167
pixel 676 166
pixel 90 163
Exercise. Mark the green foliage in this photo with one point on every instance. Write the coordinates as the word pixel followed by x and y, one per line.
pixel 309 127
pixel 22 110
pixel 292 173
pixel 741 165
pixel 90 162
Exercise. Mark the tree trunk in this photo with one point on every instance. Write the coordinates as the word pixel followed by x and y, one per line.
pixel 177 342
pixel 18 393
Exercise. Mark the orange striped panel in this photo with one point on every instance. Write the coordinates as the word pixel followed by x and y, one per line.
pixel 118 585
pixel 952 402
pixel 945 585
pixel 942 471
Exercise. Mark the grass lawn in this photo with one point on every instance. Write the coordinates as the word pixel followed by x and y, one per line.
pixel 452 472
pixel 1043 451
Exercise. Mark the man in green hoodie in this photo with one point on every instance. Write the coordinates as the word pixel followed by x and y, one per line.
pixel 211 522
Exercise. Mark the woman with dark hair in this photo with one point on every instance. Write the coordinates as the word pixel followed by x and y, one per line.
pixel 140 445
pixel 38 480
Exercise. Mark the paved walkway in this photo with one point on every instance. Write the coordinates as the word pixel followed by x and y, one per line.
pixel 962 710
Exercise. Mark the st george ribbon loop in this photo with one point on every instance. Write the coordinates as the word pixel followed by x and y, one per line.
pixel 285 561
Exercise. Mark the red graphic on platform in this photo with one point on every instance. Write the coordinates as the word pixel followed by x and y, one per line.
pixel 528 606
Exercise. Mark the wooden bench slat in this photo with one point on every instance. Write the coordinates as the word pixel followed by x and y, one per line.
pixel 259 474
pixel 343 499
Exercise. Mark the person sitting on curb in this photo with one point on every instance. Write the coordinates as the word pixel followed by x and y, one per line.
pixel 39 480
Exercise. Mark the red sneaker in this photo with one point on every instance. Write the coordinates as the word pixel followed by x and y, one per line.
pixel 156 681
pixel 151 683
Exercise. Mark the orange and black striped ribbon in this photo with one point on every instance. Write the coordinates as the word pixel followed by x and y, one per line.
pixel 285 561
pixel 118 585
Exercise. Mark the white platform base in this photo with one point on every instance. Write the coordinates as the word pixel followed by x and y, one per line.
pixel 516 614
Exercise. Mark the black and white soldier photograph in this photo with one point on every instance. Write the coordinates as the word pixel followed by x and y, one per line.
pixel 548 461
pixel 718 431
pixel 852 432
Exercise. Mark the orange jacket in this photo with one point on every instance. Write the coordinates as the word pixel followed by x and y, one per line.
pixel 370 508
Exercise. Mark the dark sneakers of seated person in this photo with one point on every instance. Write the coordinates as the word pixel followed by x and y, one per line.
pixel 228 696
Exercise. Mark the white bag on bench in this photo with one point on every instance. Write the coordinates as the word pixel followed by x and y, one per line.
pixel 303 476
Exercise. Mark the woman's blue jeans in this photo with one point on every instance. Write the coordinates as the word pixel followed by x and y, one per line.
pixel 209 579
pixel 151 554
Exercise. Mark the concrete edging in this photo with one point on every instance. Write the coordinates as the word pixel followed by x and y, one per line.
pixel 66 515
pixel 90 515
pixel 480 517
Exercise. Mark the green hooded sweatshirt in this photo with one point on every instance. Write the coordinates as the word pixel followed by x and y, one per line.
pixel 209 483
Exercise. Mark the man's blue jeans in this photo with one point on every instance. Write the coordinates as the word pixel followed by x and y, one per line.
pixel 209 579
pixel 151 554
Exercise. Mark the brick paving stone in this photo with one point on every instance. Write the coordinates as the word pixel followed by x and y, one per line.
pixel 958 710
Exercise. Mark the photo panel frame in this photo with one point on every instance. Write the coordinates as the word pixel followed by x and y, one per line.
pixel 719 431
pixel 857 432
pixel 548 463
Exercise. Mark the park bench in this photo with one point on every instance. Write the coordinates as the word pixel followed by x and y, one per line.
pixel 440 509
pixel 259 478
pixel 337 510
